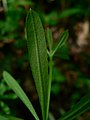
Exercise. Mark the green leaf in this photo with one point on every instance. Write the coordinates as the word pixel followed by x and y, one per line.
pixel 14 118
pixel 53 17
pixel 49 38
pixel 9 118
pixel 69 12
pixel 8 96
pixel 62 41
pixel 19 92
pixel 23 3
pixel 38 57
pixel 5 108
pixel 78 109
pixel 3 118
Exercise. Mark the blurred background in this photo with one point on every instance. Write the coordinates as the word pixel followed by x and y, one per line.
pixel 71 65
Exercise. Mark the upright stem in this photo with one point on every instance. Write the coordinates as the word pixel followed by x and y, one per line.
pixel 50 80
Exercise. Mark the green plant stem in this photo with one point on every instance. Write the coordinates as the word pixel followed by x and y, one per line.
pixel 50 80
pixel 5 5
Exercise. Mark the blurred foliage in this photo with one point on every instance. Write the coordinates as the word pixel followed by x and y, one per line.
pixel 71 72
pixel 5 94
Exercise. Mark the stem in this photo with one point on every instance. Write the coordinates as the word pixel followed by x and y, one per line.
pixel 50 80
pixel 5 4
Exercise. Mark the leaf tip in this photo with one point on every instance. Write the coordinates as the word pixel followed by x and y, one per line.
pixel 4 73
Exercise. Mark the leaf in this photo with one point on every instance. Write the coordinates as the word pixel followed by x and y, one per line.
pixel 51 18
pixel 9 118
pixel 49 39
pixel 62 41
pixel 5 108
pixel 19 92
pixel 54 17
pixel 78 109
pixel 69 12
pixel 23 3
pixel 3 118
pixel 14 118
pixel 38 57
pixel 8 96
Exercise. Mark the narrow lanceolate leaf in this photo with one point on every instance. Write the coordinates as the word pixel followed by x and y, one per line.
pixel 19 92
pixel 62 41
pixel 38 57
pixel 78 109
pixel 49 39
